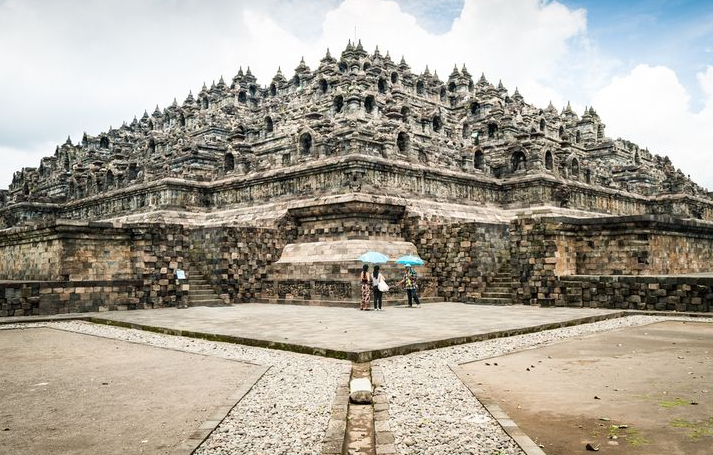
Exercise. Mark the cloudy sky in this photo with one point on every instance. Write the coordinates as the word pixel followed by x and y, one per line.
pixel 69 66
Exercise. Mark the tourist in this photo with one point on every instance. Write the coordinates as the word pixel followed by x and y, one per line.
pixel 410 278
pixel 365 285
pixel 380 286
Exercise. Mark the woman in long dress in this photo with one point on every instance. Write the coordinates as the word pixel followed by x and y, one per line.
pixel 365 278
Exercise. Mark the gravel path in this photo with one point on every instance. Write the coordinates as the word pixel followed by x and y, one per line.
pixel 286 412
pixel 432 412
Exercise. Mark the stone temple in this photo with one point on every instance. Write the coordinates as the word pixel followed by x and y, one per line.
pixel 270 194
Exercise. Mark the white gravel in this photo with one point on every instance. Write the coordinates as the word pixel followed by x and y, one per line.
pixel 286 412
pixel 433 413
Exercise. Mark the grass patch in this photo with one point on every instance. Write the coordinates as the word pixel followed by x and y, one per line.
pixel 634 438
pixel 674 403
pixel 699 432
pixel 696 429
pixel 681 423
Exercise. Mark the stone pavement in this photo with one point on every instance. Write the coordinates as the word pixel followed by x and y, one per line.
pixel 69 393
pixel 349 333
pixel 645 378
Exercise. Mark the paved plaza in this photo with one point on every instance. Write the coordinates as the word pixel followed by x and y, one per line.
pixel 68 393
pixel 352 332
pixel 643 390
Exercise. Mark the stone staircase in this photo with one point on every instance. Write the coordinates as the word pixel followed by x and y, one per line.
pixel 573 294
pixel 201 293
pixel 499 291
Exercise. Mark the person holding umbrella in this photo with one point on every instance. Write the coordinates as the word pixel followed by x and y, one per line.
pixel 376 280
pixel 410 278
pixel 365 277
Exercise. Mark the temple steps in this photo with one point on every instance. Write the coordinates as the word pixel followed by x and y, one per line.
pixel 491 301
pixel 498 292
pixel 497 295
pixel 500 289
pixel 201 293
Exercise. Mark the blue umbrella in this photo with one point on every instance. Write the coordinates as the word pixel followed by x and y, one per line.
pixel 373 257
pixel 410 260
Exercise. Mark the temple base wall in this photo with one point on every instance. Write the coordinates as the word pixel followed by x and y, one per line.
pixel 461 257
pixel 554 260
pixel 66 251
pixel 615 262
pixel 88 266
pixel 651 293
pixel 235 259
pixel 38 298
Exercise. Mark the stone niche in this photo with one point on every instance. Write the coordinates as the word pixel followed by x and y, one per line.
pixel 322 264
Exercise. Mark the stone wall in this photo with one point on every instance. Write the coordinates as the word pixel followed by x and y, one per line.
pixel 86 253
pixel 157 251
pixel 30 257
pixel 564 261
pixel 86 266
pixel 534 256
pixel 66 251
pixel 235 259
pixel 347 219
pixel 462 257
pixel 28 298
pixel 693 294
pixel 641 245
pixel 148 255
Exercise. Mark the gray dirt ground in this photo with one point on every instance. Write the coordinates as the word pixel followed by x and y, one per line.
pixel 645 377
pixel 68 393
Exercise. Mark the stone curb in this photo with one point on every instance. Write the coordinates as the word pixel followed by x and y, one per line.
pixel 362 356
pixel 49 318
pixel 366 356
pixel 219 414
pixel 521 439
pixel 673 314
pixel 383 436
pixel 335 438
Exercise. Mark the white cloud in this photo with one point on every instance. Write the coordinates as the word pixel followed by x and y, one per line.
pixel 14 159
pixel 651 107
pixel 70 65
pixel 705 79
pixel 523 42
